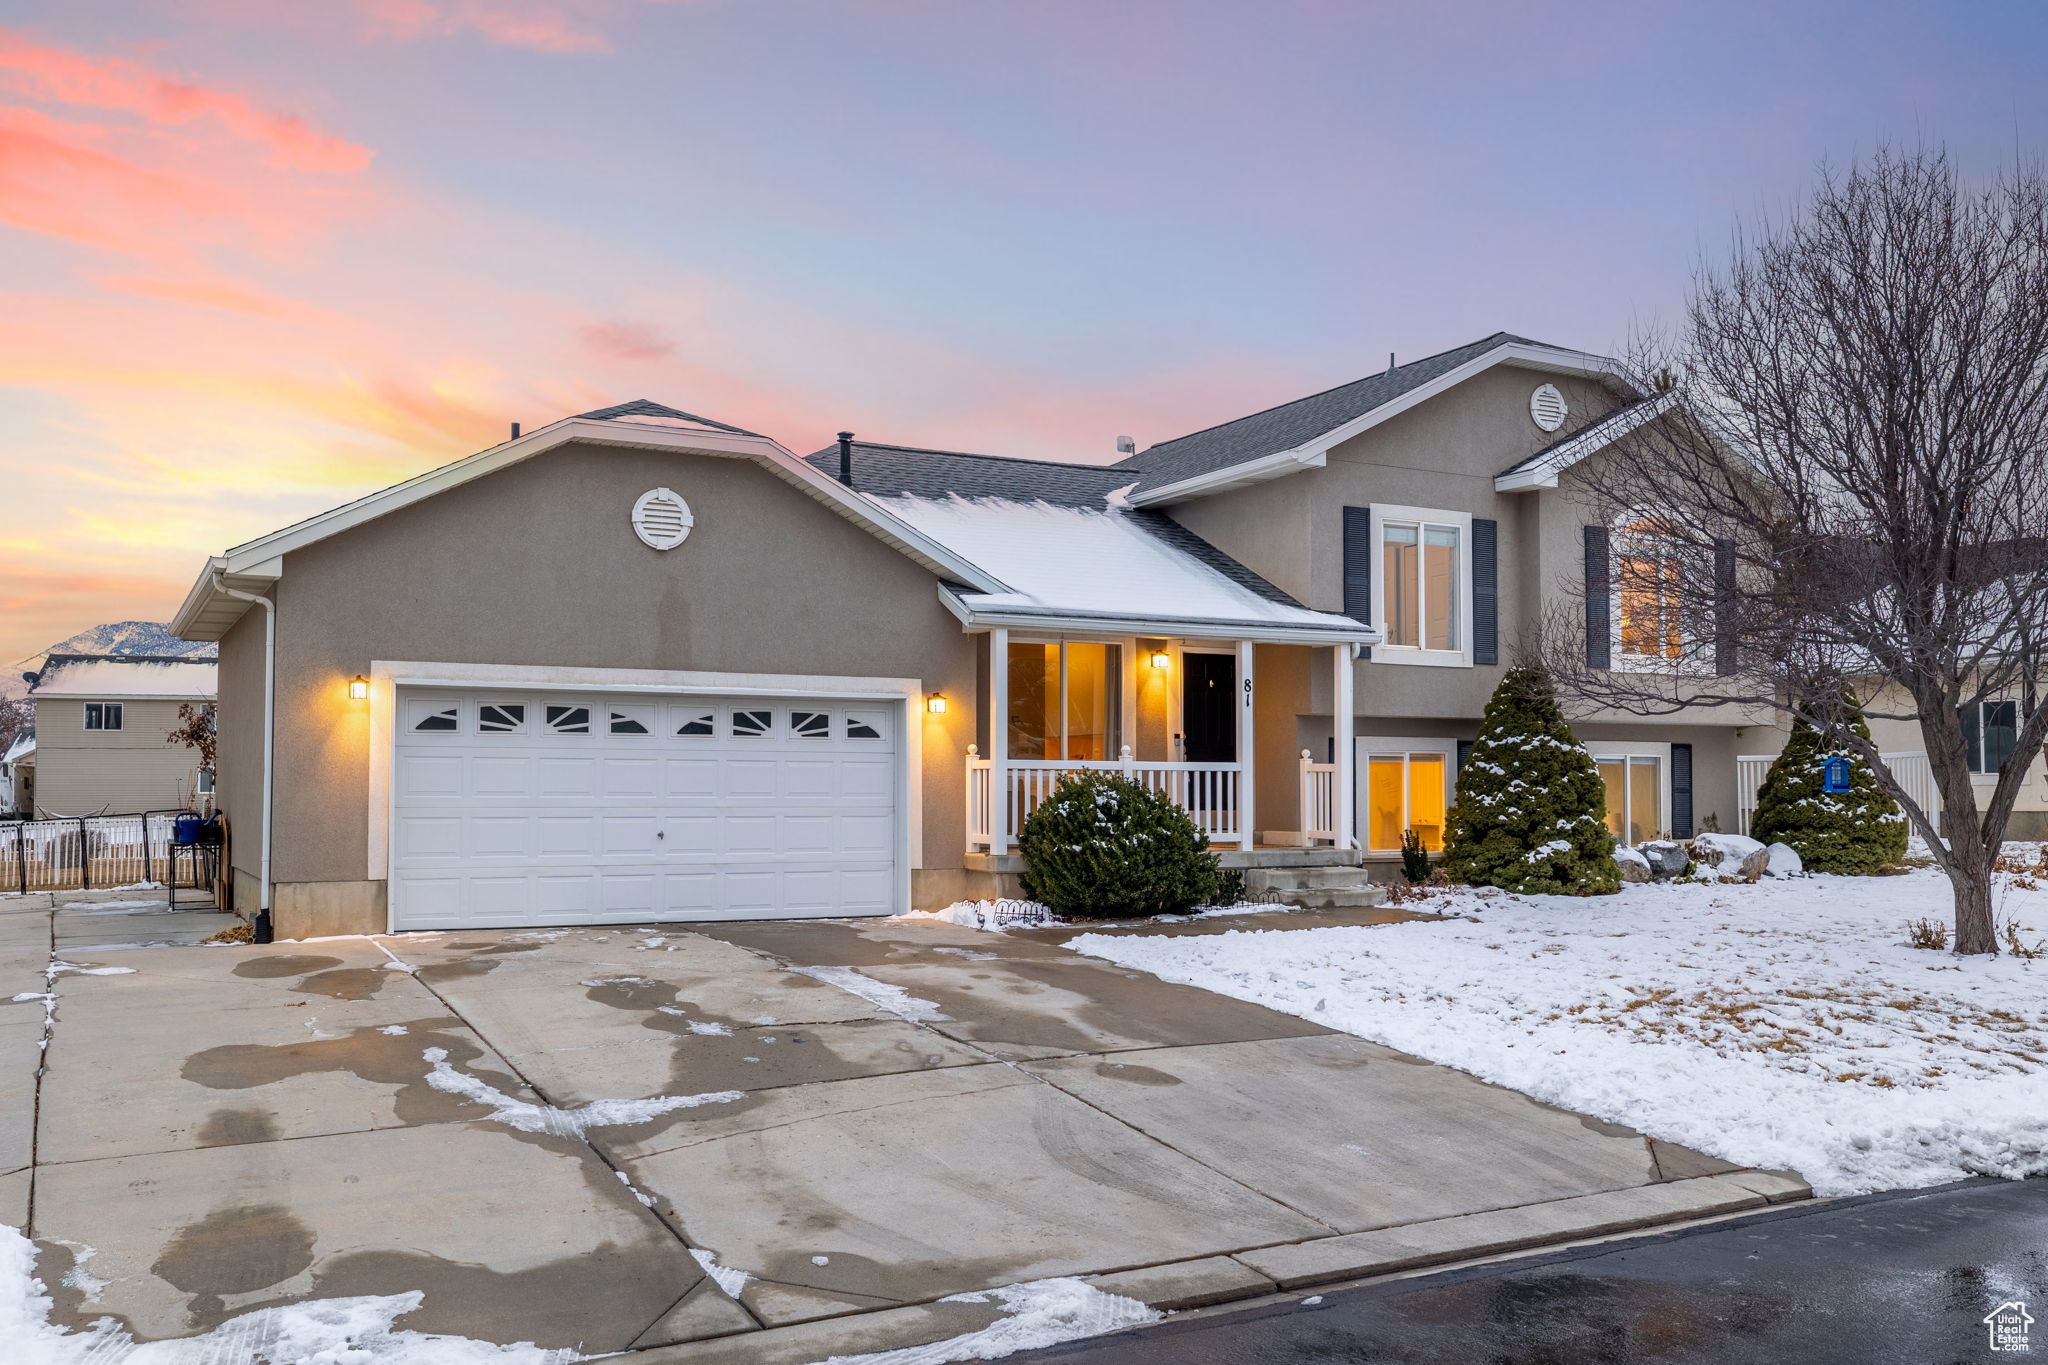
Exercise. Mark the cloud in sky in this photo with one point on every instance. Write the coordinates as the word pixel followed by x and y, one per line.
pixel 626 340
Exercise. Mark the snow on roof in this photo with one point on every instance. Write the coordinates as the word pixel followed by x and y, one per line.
pixel 1089 562
pixel 127 678
pixel 23 745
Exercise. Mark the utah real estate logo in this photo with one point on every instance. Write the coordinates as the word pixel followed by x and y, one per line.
pixel 2008 1325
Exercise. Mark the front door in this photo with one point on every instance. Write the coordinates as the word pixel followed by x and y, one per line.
pixel 1209 708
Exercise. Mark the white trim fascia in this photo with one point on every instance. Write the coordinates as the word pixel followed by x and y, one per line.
pixel 1051 621
pixel 1595 436
pixel 263 557
pixel 1314 453
pixel 387 676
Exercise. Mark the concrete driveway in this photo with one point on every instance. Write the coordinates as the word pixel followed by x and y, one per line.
pixel 763 1142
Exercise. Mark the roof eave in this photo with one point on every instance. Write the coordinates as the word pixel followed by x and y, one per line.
pixel 1339 631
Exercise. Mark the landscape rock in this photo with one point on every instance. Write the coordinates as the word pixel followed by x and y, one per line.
pixel 1634 866
pixel 1784 861
pixel 1667 858
pixel 1730 857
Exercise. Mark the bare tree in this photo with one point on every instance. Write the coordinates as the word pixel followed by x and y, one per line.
pixel 1842 481
pixel 15 713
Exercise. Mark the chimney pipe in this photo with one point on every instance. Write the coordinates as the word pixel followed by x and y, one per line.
pixel 846 458
pixel 515 431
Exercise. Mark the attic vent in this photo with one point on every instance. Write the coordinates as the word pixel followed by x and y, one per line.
pixel 662 519
pixel 1547 407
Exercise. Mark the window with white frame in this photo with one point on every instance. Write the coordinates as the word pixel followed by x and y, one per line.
pixel 103 715
pixel 202 785
pixel 1065 699
pixel 1991 729
pixel 1422 567
pixel 1637 776
pixel 1404 784
pixel 1650 566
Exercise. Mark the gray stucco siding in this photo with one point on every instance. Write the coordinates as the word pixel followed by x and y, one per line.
pixel 538 565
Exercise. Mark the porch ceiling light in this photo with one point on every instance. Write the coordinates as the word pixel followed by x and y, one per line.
pixel 1161 659
pixel 936 703
pixel 358 688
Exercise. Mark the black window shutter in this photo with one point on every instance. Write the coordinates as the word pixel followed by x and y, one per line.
pixel 1724 607
pixel 1358 566
pixel 1681 791
pixel 1598 647
pixel 1485 591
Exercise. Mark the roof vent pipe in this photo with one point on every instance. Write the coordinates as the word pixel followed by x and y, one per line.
pixel 846 458
pixel 1390 361
pixel 515 431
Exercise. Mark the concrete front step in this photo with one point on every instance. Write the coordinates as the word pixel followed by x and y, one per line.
pixel 1329 897
pixel 1293 878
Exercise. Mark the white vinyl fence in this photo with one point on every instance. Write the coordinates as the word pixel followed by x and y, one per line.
pixel 1911 769
pixel 95 851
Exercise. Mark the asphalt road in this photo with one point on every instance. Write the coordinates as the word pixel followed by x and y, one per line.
pixel 1889 1278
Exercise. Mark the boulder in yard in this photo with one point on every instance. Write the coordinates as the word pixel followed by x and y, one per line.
pixel 1634 866
pixel 1784 861
pixel 1730 857
pixel 1667 858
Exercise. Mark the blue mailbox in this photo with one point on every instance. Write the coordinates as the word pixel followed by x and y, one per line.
pixel 1834 774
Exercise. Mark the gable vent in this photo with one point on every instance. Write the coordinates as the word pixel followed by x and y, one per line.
pixel 662 519
pixel 1547 407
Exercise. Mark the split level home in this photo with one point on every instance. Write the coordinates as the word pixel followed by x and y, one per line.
pixel 643 665
pixel 99 745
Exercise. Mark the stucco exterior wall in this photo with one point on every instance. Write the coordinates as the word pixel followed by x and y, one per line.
pixel 238 753
pixel 116 772
pixel 538 565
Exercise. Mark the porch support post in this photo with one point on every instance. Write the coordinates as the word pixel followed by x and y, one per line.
pixel 1346 776
pixel 1247 748
pixel 998 741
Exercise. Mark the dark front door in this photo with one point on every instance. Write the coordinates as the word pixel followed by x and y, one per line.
pixel 1209 708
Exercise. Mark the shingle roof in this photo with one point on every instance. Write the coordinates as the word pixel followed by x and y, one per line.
pixel 1292 424
pixel 645 407
pixel 889 471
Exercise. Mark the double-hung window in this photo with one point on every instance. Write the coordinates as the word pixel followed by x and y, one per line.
pixel 1423 558
pixel 1990 730
pixel 1649 580
pixel 103 715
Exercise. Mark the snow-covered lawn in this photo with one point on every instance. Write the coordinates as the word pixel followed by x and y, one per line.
pixel 1785 1024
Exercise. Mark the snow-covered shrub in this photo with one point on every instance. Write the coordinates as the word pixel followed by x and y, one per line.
pixel 1856 832
pixel 1531 812
pixel 1102 846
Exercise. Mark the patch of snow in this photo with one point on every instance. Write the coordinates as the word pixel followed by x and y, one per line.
pixel 355 1331
pixel 58 967
pixel 624 1179
pixel 1785 861
pixel 996 915
pixel 821 1260
pixel 29 995
pixel 1038 1314
pixel 724 1276
pixel 118 678
pixel 545 1118
pixel 1784 1024
pixel 1312 1300
pixel 883 996
pixel 79 908
pixel 395 1030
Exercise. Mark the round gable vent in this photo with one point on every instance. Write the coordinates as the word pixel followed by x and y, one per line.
pixel 662 519
pixel 1547 407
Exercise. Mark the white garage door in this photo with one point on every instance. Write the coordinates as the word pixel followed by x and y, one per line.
pixel 533 809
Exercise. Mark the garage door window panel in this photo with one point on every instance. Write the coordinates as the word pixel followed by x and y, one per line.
pixel 569 720
pixel 501 718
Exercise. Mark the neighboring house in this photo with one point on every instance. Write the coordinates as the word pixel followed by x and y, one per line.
pixel 18 773
pixel 638 664
pixel 99 745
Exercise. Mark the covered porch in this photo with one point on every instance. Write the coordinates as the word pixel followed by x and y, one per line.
pixel 1176 713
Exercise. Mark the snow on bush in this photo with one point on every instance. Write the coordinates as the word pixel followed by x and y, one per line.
pixel 1783 1025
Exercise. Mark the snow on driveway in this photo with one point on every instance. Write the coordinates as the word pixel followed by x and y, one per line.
pixel 1781 1025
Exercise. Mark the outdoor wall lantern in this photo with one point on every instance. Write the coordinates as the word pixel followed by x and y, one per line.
pixel 359 688
pixel 936 703
pixel 1161 659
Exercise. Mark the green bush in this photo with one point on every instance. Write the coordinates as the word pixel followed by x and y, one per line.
pixel 1530 813
pixel 1855 832
pixel 1414 856
pixel 1103 847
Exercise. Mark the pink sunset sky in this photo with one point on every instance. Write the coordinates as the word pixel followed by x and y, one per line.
pixel 262 256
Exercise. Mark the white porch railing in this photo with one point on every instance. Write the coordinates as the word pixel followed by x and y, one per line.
pixel 1208 792
pixel 1318 799
pixel 1911 769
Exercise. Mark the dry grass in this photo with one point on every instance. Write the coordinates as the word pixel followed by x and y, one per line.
pixel 1927 933
pixel 238 933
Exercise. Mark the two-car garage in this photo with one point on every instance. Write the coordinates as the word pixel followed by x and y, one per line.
pixel 514 807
